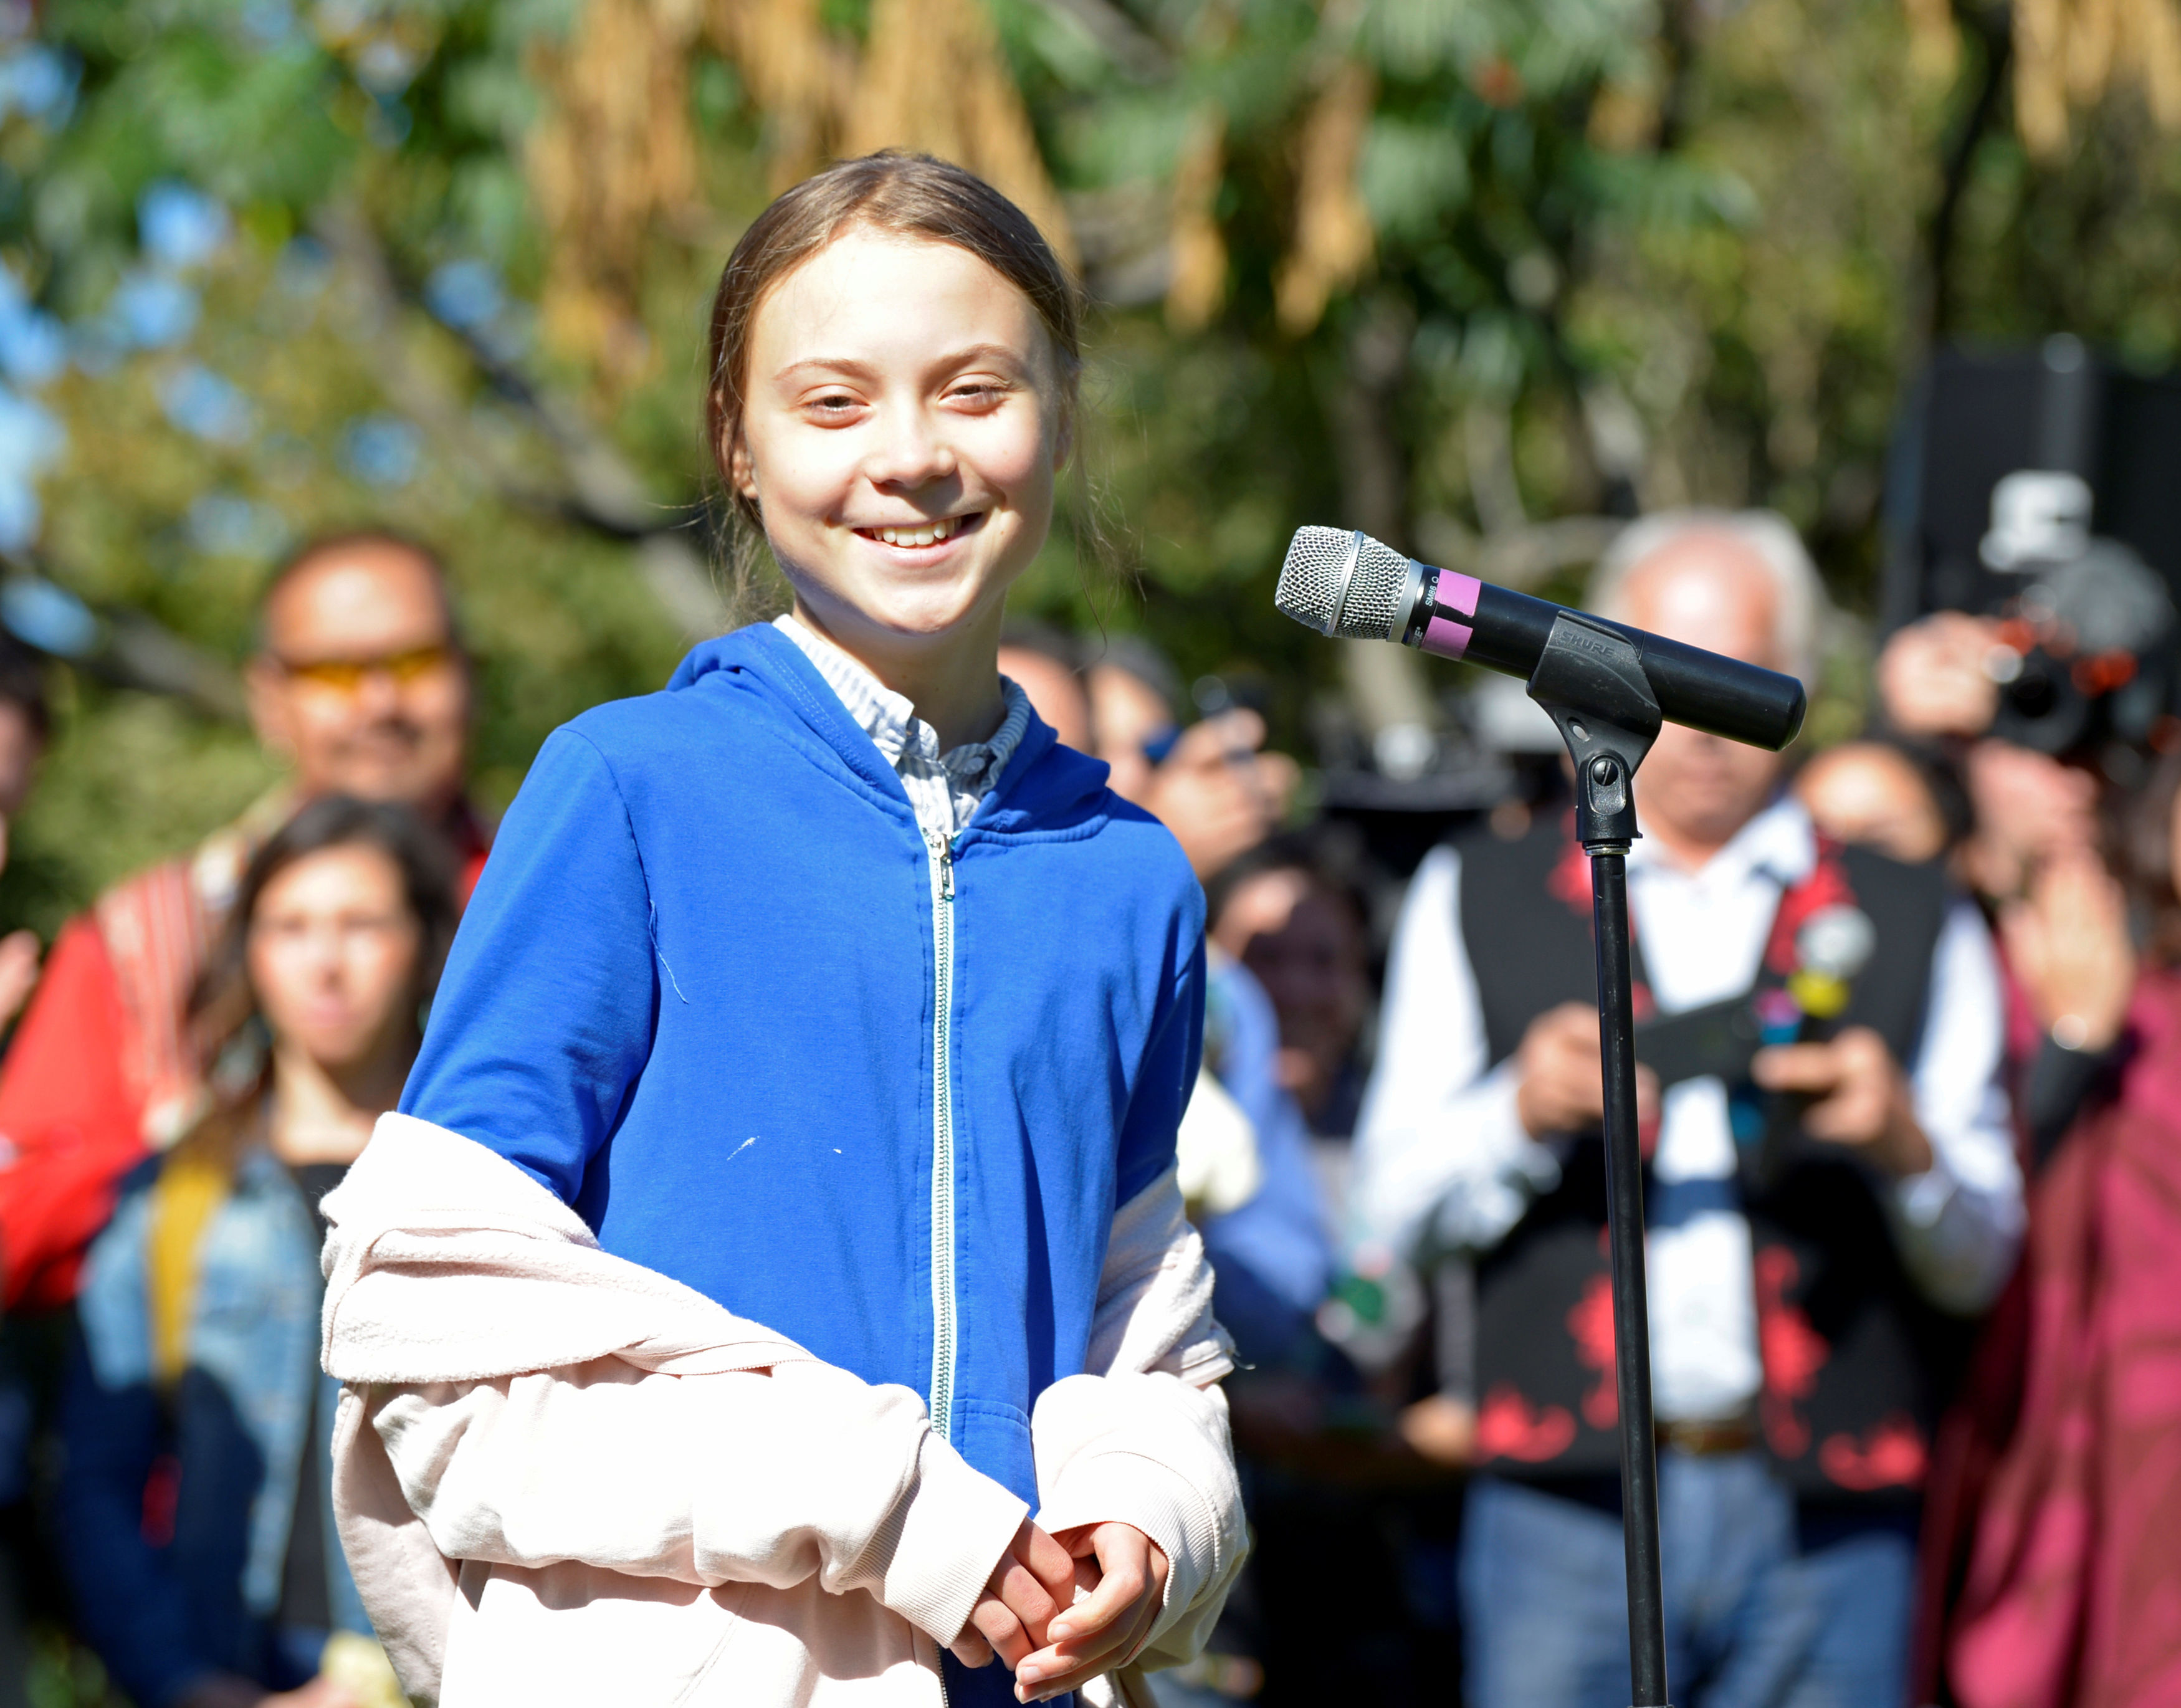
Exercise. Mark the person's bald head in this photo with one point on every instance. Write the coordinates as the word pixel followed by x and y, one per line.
pixel 393 586
pixel 359 681
pixel 1687 557
pixel 1709 584
pixel 1710 590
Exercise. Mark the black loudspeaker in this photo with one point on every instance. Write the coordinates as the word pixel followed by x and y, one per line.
pixel 1975 418
pixel 2044 488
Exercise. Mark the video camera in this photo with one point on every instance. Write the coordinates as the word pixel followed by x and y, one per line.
pixel 2040 489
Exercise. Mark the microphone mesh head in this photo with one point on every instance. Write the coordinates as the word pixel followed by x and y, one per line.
pixel 1381 572
pixel 1309 580
pixel 1311 587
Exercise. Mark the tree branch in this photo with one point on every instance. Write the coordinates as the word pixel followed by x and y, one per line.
pixel 1996 40
pixel 603 492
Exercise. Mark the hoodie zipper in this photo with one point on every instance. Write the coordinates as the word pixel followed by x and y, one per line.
pixel 942 1133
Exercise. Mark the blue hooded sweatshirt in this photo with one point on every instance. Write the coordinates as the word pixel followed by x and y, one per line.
pixel 715 992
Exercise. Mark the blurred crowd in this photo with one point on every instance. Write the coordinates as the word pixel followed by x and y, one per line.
pixel 1910 1024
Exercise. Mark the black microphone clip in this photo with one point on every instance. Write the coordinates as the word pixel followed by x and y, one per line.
pixel 1591 680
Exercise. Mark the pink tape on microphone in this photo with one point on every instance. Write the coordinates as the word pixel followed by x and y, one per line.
pixel 1443 635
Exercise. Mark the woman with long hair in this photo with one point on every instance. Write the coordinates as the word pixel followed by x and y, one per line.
pixel 196 1498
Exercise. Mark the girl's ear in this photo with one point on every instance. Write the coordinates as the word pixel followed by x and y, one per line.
pixel 742 473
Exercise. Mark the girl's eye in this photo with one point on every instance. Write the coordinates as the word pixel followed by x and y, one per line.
pixel 834 403
pixel 975 391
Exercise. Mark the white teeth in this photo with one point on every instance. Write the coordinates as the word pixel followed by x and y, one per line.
pixel 930 534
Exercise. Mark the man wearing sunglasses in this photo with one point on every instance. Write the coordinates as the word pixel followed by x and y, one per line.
pixel 359 681
pixel 359 686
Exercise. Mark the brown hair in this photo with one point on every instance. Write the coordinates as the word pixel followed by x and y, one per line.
pixel 914 195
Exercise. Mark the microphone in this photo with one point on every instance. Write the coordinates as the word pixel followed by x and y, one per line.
pixel 1348 585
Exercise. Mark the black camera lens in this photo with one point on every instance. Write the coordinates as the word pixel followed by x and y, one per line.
pixel 2042 708
pixel 2032 694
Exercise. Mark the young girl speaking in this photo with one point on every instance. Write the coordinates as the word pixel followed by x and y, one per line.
pixel 798 1106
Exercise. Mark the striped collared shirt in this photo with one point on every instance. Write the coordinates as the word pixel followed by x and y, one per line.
pixel 943 788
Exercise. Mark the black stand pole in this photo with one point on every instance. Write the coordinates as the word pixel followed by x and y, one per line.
pixel 1592 681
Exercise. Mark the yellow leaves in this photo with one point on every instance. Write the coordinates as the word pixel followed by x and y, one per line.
pixel 613 152
pixel 1198 283
pixel 1934 43
pixel 616 155
pixel 1623 118
pixel 2040 94
pixel 803 79
pixel 933 80
pixel 2067 53
pixel 822 99
pixel 1333 239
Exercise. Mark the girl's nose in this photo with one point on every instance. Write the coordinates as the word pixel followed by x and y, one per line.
pixel 912 451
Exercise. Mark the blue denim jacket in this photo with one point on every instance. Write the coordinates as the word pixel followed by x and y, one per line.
pixel 163 1613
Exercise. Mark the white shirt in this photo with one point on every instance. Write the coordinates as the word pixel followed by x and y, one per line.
pixel 1442 1163
pixel 944 788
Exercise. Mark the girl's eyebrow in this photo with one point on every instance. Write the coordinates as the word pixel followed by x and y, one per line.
pixel 827 364
pixel 849 368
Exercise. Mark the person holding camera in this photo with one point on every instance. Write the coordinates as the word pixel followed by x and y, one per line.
pixel 2060 1508
pixel 1823 1218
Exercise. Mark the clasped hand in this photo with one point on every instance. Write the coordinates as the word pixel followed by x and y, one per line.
pixel 1028 1615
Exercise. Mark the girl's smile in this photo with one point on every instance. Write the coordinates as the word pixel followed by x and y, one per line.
pixel 922 537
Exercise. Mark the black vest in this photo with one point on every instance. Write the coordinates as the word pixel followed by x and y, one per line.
pixel 1856 1362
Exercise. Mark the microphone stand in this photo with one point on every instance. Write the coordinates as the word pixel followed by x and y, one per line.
pixel 1591 679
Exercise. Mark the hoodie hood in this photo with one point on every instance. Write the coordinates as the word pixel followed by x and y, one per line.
pixel 1046 788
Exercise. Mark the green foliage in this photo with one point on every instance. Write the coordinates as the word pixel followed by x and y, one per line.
pixel 1621 252
pixel 290 394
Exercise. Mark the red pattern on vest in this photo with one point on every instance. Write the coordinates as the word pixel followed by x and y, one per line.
pixel 1508 1427
pixel 1591 1323
pixel 1826 886
pixel 1892 1455
pixel 1791 1351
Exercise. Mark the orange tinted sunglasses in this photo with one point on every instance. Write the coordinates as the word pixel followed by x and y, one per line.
pixel 348 674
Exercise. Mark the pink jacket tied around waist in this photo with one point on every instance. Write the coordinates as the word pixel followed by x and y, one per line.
pixel 562 1478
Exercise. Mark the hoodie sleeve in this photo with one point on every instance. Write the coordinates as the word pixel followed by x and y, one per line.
pixel 1165 1077
pixel 768 1477
pixel 1142 1437
pixel 544 1016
